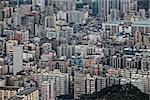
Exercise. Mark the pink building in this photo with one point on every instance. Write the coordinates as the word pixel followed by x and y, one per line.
pixel 59 64
pixel 8 11
pixel 26 9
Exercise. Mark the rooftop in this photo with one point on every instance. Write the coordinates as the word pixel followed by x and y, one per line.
pixel 142 22
pixel 15 98
pixel 27 91
pixel 9 87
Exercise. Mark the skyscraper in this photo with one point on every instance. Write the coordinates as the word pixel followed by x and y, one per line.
pixel 17 59
pixel 114 4
pixel 90 84
pixel 124 6
pixel 94 7
pixel 79 85
pixel 103 9
pixel 48 92
pixel 133 6
pixel 57 82
pixel 114 14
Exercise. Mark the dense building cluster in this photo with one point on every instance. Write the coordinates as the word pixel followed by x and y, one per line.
pixel 66 48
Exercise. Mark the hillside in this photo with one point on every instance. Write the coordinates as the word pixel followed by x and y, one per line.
pixel 117 92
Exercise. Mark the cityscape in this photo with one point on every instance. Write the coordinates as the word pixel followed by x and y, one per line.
pixel 74 50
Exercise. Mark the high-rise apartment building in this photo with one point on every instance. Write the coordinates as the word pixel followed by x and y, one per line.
pixel 17 59
pixel 79 85
pixel 103 9
pixel 8 91
pixel 94 7
pixel 133 6
pixel 50 21
pixel 100 83
pixel 90 84
pixel 60 82
pixel 27 94
pixel 114 4
pixel 137 37
pixel 124 6
pixel 76 17
pixel 114 13
pixel 9 46
pixel 142 13
pixel 48 90
pixel 145 63
pixel 63 4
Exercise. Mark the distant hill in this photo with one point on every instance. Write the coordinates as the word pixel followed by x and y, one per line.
pixel 117 92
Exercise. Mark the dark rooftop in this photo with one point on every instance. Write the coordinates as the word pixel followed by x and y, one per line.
pixel 27 91
pixel 9 87
pixel 15 98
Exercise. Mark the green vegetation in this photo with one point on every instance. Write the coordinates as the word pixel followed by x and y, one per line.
pixel 117 92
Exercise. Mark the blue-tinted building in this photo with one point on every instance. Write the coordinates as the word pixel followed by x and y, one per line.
pixel 77 62
pixel 94 7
